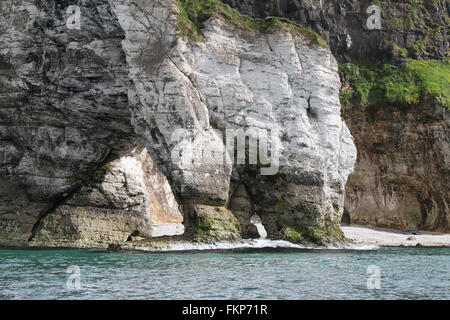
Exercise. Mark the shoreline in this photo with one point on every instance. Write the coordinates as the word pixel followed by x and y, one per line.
pixel 384 237
pixel 359 238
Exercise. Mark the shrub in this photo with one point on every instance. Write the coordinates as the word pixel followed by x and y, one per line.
pixel 410 83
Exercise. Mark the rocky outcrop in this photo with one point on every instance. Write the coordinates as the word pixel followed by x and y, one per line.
pixel 278 84
pixel 414 28
pixel 76 104
pixel 63 107
pixel 401 175
pixel 212 224
pixel 401 178
pixel 125 199
pixel 64 115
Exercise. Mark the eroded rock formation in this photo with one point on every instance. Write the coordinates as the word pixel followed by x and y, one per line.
pixel 64 107
pixel 401 177
pixel 76 105
pixel 126 198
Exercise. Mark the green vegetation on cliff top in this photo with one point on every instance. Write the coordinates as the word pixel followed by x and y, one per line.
pixel 194 13
pixel 411 83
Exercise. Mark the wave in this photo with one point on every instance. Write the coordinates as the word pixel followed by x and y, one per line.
pixel 251 244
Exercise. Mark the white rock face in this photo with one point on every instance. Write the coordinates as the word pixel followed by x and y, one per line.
pixel 234 79
pixel 72 99
pixel 127 198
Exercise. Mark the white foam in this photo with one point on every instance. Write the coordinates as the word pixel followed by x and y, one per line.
pixel 250 244
pixel 363 247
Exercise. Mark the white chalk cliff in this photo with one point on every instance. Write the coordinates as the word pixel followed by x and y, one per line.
pixel 97 127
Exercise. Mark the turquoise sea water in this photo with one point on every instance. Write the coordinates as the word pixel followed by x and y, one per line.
pixel 406 273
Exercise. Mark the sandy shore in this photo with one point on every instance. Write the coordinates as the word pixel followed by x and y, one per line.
pixel 388 237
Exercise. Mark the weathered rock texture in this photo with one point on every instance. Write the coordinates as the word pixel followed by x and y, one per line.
pixel 401 178
pixel 64 106
pixel 64 113
pixel 75 105
pixel 235 79
pixel 418 26
pixel 126 198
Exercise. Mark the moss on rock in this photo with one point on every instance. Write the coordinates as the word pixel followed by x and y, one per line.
pixel 398 51
pixel 317 235
pixel 194 13
pixel 214 224
pixel 291 235
pixel 300 224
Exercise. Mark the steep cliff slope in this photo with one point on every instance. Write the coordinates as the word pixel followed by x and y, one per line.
pixel 402 173
pixel 396 105
pixel 399 116
pixel 76 104
pixel 414 27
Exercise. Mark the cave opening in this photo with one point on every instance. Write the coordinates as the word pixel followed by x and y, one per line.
pixel 345 218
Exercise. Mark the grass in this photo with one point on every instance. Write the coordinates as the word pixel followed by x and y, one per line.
pixel 398 51
pixel 194 13
pixel 413 15
pixel 411 83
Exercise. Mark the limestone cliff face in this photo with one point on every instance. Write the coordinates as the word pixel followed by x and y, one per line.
pixel 64 116
pixel 127 198
pixel 401 178
pixel 64 107
pixel 76 105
